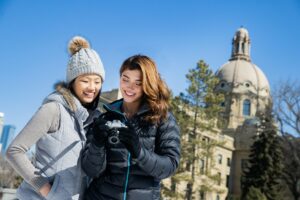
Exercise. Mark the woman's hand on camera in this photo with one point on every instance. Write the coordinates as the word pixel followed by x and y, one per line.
pixel 100 132
pixel 130 140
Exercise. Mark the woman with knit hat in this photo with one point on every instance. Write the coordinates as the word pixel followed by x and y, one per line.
pixel 58 131
pixel 136 143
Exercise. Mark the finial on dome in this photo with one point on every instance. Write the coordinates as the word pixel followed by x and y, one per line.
pixel 241 45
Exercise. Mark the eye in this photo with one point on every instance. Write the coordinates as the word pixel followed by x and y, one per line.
pixel 84 81
pixel 125 80
pixel 138 84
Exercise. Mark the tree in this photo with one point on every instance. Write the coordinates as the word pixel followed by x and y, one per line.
pixel 205 104
pixel 179 108
pixel 291 171
pixel 8 177
pixel 255 194
pixel 265 161
pixel 197 111
pixel 287 109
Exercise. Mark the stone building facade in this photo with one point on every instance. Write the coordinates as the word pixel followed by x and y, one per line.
pixel 247 92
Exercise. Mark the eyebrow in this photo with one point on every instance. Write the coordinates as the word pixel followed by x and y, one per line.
pixel 129 78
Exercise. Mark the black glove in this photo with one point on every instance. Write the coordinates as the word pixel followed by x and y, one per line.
pixel 100 132
pixel 131 140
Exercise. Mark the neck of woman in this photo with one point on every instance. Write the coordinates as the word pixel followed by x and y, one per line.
pixel 130 109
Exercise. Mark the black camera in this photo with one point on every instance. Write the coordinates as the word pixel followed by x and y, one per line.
pixel 114 125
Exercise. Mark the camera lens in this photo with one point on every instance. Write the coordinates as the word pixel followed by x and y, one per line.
pixel 113 139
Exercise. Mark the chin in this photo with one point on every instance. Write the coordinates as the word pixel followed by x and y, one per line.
pixel 130 100
pixel 87 101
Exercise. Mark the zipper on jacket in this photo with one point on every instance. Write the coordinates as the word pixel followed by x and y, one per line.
pixel 127 177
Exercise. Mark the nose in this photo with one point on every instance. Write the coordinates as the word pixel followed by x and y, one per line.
pixel 131 85
pixel 92 86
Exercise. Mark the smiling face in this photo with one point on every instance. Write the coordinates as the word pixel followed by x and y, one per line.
pixel 131 86
pixel 87 87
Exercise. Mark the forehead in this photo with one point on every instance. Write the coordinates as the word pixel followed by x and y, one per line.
pixel 89 76
pixel 132 74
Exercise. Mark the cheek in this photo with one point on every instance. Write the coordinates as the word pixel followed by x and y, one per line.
pixel 123 85
pixel 76 89
pixel 98 90
pixel 140 91
pixel 98 87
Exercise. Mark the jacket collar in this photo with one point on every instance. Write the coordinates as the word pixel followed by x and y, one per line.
pixel 116 107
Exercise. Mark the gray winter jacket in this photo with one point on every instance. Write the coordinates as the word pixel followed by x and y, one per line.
pixel 116 175
pixel 57 153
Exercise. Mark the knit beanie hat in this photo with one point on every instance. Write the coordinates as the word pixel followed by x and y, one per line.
pixel 83 60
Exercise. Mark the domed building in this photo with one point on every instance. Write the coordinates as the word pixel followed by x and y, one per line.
pixel 245 85
pixel 247 91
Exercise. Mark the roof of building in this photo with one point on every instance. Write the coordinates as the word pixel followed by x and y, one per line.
pixel 240 71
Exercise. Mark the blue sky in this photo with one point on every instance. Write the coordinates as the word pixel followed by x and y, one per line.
pixel 175 33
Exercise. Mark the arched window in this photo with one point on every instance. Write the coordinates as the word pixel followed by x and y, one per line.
pixel 243 48
pixel 218 197
pixel 246 107
pixel 219 159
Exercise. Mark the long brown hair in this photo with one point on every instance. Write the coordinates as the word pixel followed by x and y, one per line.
pixel 156 92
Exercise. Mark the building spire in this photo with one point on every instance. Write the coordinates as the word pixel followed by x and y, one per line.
pixel 241 45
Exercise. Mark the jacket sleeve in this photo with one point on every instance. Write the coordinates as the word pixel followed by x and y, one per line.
pixel 93 158
pixel 164 161
pixel 45 121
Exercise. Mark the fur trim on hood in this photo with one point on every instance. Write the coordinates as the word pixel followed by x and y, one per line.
pixel 64 90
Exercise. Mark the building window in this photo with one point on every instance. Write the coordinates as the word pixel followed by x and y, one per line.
pixel 205 139
pixel 219 159
pixel 202 195
pixel 228 162
pixel 202 165
pixel 219 178
pixel 236 48
pixel 227 181
pixel 190 137
pixel 243 48
pixel 218 197
pixel 222 104
pixel 246 107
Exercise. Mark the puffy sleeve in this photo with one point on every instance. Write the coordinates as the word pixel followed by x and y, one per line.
pixel 93 159
pixel 164 161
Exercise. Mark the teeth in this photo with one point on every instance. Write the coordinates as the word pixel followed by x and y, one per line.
pixel 129 94
pixel 89 95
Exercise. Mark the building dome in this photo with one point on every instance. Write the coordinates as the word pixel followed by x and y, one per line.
pixel 242 32
pixel 239 74
pixel 244 76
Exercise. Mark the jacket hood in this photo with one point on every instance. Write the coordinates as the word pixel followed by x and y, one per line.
pixel 63 95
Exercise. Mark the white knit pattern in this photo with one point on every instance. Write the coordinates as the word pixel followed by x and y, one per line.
pixel 85 61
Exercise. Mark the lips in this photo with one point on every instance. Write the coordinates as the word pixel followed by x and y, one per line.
pixel 88 95
pixel 130 94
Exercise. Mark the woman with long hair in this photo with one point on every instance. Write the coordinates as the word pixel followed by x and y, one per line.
pixel 135 143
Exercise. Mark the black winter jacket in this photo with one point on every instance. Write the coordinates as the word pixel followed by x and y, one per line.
pixel 117 177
